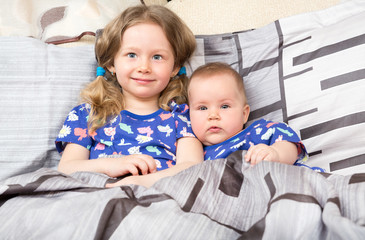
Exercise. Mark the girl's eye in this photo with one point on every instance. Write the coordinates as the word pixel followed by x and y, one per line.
pixel 131 55
pixel 157 57
pixel 202 108
pixel 225 106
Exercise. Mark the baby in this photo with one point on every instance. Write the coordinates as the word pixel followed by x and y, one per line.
pixel 219 111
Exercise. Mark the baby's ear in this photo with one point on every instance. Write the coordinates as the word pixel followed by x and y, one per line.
pixel 246 113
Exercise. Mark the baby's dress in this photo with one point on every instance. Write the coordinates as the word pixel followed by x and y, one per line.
pixel 154 134
pixel 260 131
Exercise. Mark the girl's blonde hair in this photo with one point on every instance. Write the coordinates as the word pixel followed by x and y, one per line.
pixel 104 94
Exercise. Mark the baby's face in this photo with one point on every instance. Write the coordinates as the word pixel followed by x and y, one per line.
pixel 217 108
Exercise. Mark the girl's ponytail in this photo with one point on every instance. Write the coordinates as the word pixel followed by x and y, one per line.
pixel 175 91
pixel 105 99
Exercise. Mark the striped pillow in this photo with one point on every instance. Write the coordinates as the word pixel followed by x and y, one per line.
pixel 308 71
pixel 39 85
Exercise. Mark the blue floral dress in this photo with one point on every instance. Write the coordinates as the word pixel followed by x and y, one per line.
pixel 260 131
pixel 154 134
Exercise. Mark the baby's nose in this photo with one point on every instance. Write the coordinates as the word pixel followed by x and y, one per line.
pixel 214 115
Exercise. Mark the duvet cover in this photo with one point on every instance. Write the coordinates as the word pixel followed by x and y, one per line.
pixel 218 199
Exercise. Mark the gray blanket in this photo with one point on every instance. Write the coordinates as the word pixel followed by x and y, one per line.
pixel 220 199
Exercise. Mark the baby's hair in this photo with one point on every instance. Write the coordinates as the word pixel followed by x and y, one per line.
pixel 213 68
pixel 105 94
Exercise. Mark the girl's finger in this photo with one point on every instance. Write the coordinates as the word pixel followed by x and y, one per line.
pixel 142 165
pixel 132 169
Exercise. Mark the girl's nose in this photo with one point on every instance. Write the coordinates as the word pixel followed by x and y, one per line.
pixel 144 66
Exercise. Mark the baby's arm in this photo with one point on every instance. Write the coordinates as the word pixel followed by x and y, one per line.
pixel 189 152
pixel 282 151
pixel 76 158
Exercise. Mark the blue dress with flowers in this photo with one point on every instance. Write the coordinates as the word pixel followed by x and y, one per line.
pixel 154 134
pixel 260 131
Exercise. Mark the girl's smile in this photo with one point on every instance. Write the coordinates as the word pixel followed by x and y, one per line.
pixel 142 81
pixel 144 64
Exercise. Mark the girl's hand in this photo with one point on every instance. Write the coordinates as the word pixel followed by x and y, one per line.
pixel 261 152
pixel 125 181
pixel 135 164
pixel 185 159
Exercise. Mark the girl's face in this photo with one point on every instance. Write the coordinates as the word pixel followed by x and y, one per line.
pixel 144 63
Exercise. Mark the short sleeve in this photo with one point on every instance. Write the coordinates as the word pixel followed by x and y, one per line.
pixel 180 113
pixel 74 129
pixel 278 131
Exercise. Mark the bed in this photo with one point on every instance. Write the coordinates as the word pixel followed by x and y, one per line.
pixel 302 63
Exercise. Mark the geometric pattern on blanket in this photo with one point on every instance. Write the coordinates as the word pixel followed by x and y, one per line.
pixel 308 71
pixel 221 199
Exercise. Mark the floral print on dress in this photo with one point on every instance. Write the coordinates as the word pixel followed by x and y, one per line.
pixel 260 131
pixel 155 134
pixel 65 130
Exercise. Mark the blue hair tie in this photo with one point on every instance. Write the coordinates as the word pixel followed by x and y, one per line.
pixel 100 71
pixel 182 71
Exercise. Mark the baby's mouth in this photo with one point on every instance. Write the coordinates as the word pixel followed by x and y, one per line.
pixel 214 129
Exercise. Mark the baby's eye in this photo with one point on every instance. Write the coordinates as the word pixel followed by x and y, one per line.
pixel 131 55
pixel 225 106
pixel 202 108
pixel 157 57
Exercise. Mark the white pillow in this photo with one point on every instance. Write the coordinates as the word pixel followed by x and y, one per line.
pixel 58 20
pixel 217 16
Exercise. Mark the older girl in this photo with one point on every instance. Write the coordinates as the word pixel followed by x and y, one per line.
pixel 135 109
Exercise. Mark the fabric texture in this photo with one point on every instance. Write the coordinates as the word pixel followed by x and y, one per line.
pixel 126 134
pixel 217 16
pixel 39 84
pixel 310 76
pixel 260 131
pixel 54 21
pixel 221 199
pixel 308 71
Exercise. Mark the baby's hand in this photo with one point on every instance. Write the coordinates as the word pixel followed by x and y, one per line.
pixel 134 164
pixel 261 152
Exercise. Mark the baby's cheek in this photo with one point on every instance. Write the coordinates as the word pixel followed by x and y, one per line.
pixel 198 131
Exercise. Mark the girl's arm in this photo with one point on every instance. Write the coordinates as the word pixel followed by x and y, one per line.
pixel 189 152
pixel 76 158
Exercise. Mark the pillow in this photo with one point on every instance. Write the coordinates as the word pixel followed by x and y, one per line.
pixel 217 16
pixel 54 21
pixel 308 71
pixel 39 85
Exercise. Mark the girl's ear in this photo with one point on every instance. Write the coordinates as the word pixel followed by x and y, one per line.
pixel 111 69
pixel 175 71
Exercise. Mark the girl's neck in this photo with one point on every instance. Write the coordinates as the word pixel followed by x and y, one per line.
pixel 141 107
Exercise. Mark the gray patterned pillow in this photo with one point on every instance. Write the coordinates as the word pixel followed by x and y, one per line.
pixel 306 70
pixel 39 85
